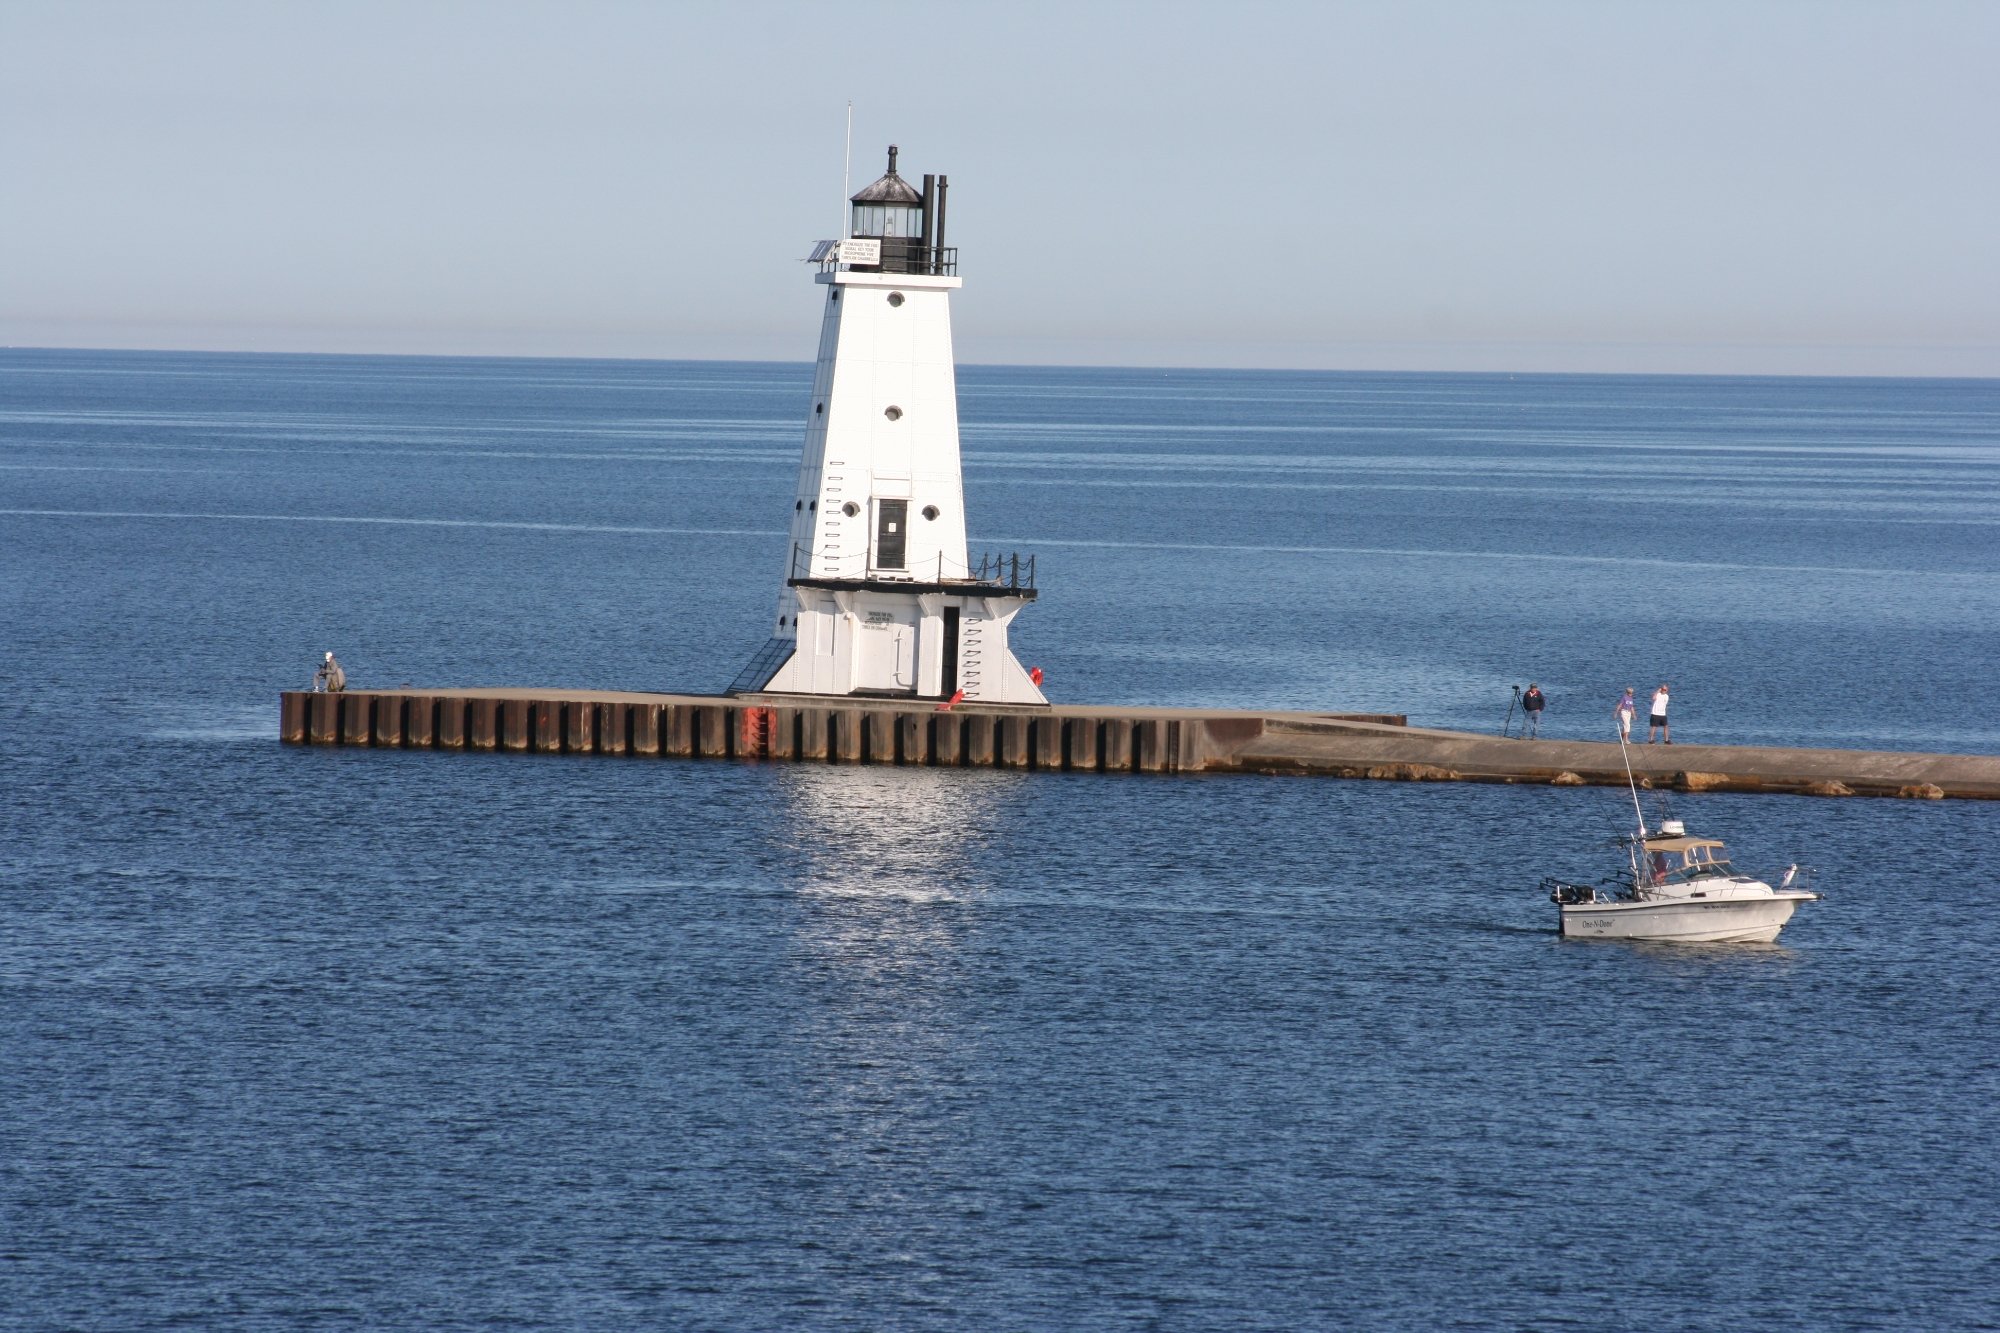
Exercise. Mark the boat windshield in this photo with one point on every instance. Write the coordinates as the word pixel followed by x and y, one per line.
pixel 1689 860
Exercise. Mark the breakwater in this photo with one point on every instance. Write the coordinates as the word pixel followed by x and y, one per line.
pixel 1084 739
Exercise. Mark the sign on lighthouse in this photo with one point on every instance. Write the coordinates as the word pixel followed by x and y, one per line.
pixel 882 596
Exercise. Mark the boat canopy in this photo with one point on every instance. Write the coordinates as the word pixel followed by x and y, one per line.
pixel 1681 844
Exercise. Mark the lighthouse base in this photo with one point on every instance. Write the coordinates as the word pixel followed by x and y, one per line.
pixel 895 641
pixel 917 641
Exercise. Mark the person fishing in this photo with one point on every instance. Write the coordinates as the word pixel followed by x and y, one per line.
pixel 329 678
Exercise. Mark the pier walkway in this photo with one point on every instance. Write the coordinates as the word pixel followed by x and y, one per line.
pixel 1083 738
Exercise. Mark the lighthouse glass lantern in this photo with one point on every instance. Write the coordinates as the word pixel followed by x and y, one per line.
pixel 901 221
pixel 892 211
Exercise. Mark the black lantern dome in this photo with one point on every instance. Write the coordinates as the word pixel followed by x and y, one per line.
pixel 889 207
pixel 908 222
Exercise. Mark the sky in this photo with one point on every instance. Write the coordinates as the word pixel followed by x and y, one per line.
pixel 1749 187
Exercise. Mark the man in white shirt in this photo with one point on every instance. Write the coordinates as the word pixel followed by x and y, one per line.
pixel 1657 722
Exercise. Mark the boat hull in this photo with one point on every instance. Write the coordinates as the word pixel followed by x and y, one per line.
pixel 1682 921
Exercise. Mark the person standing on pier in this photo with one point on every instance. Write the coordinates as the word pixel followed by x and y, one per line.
pixel 1532 704
pixel 330 677
pixel 1624 710
pixel 1656 721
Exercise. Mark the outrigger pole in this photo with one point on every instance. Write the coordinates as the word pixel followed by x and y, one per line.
pixel 1631 784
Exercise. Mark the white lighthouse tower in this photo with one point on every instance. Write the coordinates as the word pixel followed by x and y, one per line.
pixel 881 595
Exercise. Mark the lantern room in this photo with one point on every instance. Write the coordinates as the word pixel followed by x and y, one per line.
pixel 908 222
pixel 890 207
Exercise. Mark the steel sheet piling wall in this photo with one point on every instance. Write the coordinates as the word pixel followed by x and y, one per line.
pixel 1082 739
pixel 420 722
pixel 516 717
pixel 579 728
pixel 324 723
pixel 1117 746
pixel 715 720
pixel 947 739
pixel 783 740
pixel 680 730
pixel 355 717
pixel 881 738
pixel 610 722
pixel 1014 741
pixel 724 728
pixel 847 736
pixel 485 724
pixel 1049 743
pixel 389 720
pixel 1118 741
pixel 979 731
pixel 812 733
pixel 646 730
pixel 546 735
pixel 451 724
pixel 294 716
pixel 913 737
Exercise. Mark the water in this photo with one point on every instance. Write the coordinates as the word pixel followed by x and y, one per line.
pixel 325 1039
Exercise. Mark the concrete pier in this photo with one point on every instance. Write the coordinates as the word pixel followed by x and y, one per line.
pixel 1085 739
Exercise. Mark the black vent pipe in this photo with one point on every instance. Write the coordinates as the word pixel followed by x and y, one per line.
pixel 929 259
pixel 937 241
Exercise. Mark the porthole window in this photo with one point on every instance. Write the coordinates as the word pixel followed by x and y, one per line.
pixel 893 413
pixel 895 299
pixel 850 509
pixel 836 294
pixel 812 507
pixel 931 512
pixel 798 505
pixel 818 408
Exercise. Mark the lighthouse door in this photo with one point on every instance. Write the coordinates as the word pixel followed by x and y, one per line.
pixel 891 533
pixel 950 674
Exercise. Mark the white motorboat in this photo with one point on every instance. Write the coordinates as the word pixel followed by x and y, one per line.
pixel 1681 888
pixel 1678 887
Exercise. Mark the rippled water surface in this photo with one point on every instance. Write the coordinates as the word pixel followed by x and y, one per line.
pixel 311 1039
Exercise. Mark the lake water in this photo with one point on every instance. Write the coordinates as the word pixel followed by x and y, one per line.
pixel 329 1039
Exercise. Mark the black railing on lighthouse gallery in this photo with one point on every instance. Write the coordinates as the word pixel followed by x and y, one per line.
pixel 908 256
pixel 1012 572
pixel 1004 571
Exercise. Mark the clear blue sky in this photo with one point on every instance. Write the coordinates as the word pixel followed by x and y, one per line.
pixel 1808 187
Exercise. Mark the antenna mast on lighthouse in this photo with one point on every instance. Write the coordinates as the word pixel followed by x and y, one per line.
pixel 881 595
pixel 846 169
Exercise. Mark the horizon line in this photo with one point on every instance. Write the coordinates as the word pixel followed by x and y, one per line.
pixel 1017 365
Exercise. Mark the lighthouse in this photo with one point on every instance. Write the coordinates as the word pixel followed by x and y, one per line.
pixel 882 597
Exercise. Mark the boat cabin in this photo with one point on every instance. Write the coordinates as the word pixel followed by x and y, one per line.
pixel 1681 857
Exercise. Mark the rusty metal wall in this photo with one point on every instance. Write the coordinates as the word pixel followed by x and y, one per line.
pixel 727 728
